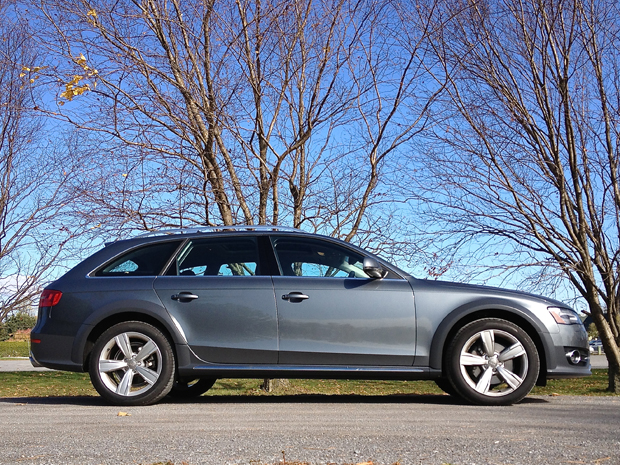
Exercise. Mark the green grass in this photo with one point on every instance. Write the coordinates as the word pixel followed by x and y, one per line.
pixel 45 384
pixel 54 383
pixel 251 387
pixel 49 384
pixel 595 385
pixel 10 349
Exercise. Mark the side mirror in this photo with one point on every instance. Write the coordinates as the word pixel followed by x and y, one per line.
pixel 373 269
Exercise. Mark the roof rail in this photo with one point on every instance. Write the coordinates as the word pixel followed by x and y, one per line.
pixel 207 229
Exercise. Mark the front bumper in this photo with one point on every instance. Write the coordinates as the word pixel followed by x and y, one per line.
pixel 571 355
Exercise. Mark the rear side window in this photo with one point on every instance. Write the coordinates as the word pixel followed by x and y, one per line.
pixel 143 261
pixel 235 256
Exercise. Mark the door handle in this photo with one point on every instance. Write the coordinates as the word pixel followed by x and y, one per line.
pixel 181 296
pixel 293 296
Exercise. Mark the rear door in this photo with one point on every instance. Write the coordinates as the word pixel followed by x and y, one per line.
pixel 226 307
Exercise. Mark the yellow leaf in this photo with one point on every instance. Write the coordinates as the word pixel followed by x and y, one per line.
pixel 31 81
pixel 80 90
pixel 22 74
pixel 92 13
pixel 124 414
pixel 25 68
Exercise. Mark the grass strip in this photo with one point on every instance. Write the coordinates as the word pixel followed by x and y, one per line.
pixel 10 349
pixel 595 385
pixel 58 383
pixel 45 384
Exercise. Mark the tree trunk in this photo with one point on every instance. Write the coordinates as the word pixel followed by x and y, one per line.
pixel 271 385
pixel 614 379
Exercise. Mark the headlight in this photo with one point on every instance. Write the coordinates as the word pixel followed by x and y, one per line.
pixel 564 316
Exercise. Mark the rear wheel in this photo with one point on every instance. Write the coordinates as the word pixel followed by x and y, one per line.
pixel 185 389
pixel 492 362
pixel 132 363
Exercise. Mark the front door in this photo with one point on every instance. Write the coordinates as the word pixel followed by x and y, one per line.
pixel 331 313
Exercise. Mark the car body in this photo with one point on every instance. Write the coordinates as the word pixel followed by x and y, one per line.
pixel 596 347
pixel 170 312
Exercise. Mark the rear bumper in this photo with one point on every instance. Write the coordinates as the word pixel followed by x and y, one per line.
pixel 52 351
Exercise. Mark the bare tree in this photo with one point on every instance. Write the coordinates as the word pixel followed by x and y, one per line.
pixel 202 112
pixel 202 92
pixel 525 159
pixel 240 111
pixel 31 176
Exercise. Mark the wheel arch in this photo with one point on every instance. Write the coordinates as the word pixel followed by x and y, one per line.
pixel 90 333
pixel 461 317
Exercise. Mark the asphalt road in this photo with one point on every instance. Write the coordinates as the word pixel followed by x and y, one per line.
pixel 315 429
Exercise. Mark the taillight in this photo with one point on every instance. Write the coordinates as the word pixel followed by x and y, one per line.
pixel 49 298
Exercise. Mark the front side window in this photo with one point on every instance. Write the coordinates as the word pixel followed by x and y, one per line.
pixel 143 261
pixel 235 256
pixel 316 258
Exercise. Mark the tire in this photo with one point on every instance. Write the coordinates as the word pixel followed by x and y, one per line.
pixel 445 386
pixel 492 362
pixel 186 389
pixel 120 372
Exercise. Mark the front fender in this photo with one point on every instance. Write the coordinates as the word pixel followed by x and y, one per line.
pixel 490 308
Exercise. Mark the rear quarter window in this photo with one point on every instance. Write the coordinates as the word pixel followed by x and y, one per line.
pixel 148 260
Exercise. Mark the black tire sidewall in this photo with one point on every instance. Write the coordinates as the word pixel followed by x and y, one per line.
pixel 446 386
pixel 181 390
pixel 453 367
pixel 162 386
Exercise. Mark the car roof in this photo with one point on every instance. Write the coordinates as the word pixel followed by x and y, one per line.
pixel 214 231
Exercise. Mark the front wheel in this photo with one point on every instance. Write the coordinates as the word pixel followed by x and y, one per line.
pixel 445 386
pixel 492 362
pixel 132 363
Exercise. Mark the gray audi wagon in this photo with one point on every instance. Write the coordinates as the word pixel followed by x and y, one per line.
pixel 168 313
